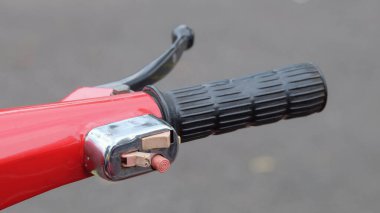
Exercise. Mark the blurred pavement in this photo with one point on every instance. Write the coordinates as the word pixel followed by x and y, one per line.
pixel 329 162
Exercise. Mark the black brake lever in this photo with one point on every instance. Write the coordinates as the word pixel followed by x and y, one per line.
pixel 182 38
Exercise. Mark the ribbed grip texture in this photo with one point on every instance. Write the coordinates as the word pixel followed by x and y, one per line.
pixel 224 106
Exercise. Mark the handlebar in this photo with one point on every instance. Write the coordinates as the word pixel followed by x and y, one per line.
pixel 102 131
pixel 224 106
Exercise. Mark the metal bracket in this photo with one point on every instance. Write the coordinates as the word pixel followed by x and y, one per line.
pixel 183 39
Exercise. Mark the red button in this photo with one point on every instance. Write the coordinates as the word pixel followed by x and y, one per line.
pixel 160 163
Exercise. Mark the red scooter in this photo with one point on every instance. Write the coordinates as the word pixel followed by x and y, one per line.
pixel 128 128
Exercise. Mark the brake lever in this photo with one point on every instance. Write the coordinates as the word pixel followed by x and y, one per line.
pixel 182 39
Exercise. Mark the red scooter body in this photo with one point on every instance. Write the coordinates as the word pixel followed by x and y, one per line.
pixel 41 146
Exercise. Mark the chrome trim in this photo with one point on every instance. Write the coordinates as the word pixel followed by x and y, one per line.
pixel 104 145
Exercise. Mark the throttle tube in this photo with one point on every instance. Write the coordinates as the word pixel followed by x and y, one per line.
pixel 224 106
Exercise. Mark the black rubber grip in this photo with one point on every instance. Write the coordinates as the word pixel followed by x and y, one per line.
pixel 224 106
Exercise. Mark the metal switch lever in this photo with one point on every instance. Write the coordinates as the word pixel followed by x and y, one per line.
pixel 133 159
pixel 141 159
pixel 161 140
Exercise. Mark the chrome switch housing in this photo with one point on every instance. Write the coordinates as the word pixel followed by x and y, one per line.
pixel 105 145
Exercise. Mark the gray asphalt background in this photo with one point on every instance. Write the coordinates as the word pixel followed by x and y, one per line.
pixel 328 162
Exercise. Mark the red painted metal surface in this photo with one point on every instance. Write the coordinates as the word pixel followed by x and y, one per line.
pixel 41 147
pixel 88 92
